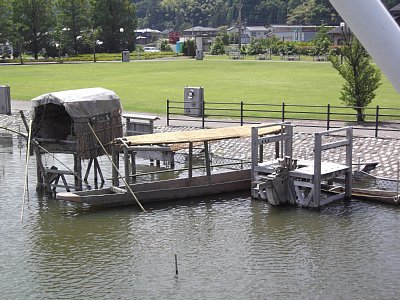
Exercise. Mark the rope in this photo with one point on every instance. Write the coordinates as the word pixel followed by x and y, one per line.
pixel 46 151
pixel 115 167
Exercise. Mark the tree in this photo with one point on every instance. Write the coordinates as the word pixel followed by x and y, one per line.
pixel 361 77
pixel 6 23
pixel 165 46
pixel 321 41
pixel 90 38
pixel 218 46
pixel 74 17
pixel 35 18
pixel 117 20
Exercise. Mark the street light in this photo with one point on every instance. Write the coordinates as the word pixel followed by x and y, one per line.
pixel 121 30
pixel 346 38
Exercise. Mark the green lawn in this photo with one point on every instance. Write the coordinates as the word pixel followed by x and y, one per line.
pixel 145 85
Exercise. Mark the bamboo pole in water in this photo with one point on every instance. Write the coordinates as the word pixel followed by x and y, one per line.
pixel 26 170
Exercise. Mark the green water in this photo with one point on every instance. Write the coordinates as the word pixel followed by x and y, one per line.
pixel 228 247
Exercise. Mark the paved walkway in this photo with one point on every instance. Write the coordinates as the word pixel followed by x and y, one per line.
pixel 385 151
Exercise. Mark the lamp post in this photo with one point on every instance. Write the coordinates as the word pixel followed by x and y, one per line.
pixel 58 46
pixel 345 41
pixel 121 30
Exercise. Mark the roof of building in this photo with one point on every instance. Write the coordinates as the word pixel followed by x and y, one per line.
pixel 256 28
pixel 147 30
pixel 294 26
pixel 336 30
pixel 200 29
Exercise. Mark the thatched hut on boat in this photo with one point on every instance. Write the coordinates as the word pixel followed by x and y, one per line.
pixel 62 121
pixel 64 116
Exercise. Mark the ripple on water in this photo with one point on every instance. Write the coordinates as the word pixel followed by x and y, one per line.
pixel 227 247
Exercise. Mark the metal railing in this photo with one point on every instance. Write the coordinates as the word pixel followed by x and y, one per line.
pixel 376 119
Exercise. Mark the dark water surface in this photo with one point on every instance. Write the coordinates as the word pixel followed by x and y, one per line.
pixel 228 247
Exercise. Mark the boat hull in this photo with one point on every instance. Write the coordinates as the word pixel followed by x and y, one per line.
pixel 165 190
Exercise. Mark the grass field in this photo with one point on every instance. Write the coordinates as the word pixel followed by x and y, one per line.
pixel 145 85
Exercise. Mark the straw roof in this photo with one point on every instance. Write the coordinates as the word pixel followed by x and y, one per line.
pixel 200 135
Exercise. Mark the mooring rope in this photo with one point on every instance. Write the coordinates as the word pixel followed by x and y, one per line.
pixel 115 167
pixel 46 151
pixel 28 149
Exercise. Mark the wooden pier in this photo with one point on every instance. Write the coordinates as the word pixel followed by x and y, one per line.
pixel 286 180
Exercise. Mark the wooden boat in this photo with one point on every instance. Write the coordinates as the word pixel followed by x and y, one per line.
pixel 370 188
pixel 389 197
pixel 164 190
pixel 159 146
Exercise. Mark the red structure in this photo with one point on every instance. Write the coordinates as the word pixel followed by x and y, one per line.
pixel 173 37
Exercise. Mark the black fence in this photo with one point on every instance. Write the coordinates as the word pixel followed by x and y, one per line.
pixel 376 119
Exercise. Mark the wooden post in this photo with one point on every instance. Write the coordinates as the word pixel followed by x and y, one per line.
pixel 190 171
pixel 126 165
pixel 78 170
pixel 207 159
pixel 254 151
pixel 88 170
pixel 41 174
pixel 97 166
pixel 133 166
pixel 115 161
pixel 317 170
pixel 261 153
pixel 289 140
pixel 349 163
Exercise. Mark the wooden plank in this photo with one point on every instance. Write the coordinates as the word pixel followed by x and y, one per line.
pixel 140 117
pixel 334 145
pixel 200 135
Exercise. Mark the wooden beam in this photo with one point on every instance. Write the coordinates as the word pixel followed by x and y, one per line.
pixel 127 165
pixel 115 161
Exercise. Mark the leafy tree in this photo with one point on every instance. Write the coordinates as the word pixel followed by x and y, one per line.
pixel 35 19
pixel 6 23
pixel 321 41
pixel 218 47
pixel 165 47
pixel 258 46
pixel 223 35
pixel 74 17
pixel 117 21
pixel 90 38
pixel 188 48
pixel 361 77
